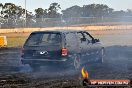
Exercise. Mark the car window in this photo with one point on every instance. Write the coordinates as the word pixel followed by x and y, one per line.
pixel 88 37
pixel 33 39
pixel 70 39
pixel 40 39
pixel 80 36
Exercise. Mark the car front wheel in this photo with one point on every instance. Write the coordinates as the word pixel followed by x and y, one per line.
pixel 76 62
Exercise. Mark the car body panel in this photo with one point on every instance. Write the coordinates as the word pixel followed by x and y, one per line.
pixel 72 40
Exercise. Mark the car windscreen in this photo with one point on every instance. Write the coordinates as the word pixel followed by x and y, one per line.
pixel 43 39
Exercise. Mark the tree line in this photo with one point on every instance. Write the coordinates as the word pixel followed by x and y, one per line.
pixel 11 14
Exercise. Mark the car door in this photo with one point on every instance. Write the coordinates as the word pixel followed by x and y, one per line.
pixel 94 46
pixel 83 46
pixel 71 43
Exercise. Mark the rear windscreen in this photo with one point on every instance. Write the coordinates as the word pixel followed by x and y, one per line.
pixel 42 39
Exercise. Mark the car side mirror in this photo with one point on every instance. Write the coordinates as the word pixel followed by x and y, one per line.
pixel 96 40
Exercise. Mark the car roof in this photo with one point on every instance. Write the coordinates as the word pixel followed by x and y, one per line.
pixel 59 31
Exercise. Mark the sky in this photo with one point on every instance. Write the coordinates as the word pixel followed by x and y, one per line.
pixel 33 4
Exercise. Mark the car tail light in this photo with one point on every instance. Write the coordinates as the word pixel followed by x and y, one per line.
pixel 64 52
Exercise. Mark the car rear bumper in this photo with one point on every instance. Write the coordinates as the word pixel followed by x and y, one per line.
pixel 46 61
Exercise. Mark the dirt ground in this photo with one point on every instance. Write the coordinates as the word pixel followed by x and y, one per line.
pixel 117 65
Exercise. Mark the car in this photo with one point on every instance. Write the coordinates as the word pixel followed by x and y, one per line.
pixel 62 48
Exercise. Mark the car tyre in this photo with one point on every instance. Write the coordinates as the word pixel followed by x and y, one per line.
pixel 76 62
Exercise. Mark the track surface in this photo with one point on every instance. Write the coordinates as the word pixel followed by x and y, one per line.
pixel 117 65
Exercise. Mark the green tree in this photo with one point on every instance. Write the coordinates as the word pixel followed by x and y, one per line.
pixel 13 14
pixel 39 12
pixel 118 13
pixel 53 10
pixel 30 19
pixel 96 10
pixel 74 11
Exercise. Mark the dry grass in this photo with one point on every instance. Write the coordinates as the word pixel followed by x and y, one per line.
pixel 77 27
pixel 108 37
pixel 15 41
